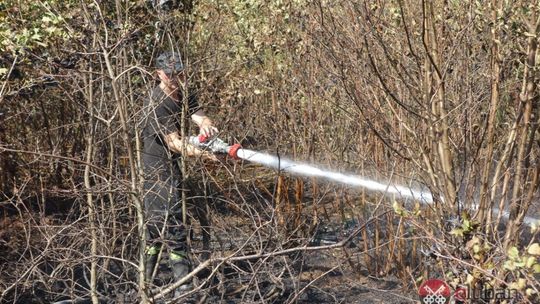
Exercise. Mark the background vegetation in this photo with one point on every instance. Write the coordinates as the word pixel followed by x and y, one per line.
pixel 441 95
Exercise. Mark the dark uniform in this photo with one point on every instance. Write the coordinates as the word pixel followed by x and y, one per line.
pixel 162 181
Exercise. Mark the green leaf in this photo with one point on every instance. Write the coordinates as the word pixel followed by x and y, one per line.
pixel 534 249
pixel 36 36
pixel 466 225
pixel 530 261
pixel 457 232
pixel 509 265
pixel 398 209
pixel 519 264
pixel 513 253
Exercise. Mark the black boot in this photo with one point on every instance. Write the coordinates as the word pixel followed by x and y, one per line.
pixel 180 266
pixel 150 263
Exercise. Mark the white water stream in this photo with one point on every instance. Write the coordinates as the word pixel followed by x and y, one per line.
pixel 293 167
pixel 298 168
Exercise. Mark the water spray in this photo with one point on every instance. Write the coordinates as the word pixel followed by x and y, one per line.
pixel 352 180
pixel 235 151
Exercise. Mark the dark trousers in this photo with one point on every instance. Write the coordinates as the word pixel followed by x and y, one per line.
pixel 162 195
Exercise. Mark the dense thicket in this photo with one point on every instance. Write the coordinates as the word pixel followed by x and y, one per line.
pixel 441 95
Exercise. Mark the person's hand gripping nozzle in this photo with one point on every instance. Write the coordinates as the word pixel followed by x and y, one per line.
pixel 214 145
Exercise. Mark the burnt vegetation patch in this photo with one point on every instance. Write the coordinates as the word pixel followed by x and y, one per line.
pixel 434 95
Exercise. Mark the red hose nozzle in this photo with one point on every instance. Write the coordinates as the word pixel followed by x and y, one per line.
pixel 233 151
pixel 203 138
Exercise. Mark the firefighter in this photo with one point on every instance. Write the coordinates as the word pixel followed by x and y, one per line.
pixel 162 150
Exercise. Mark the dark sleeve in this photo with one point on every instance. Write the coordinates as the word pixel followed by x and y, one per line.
pixel 193 104
pixel 168 116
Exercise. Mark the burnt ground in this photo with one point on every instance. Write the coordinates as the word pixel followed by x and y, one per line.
pixel 334 275
pixel 337 275
pixel 326 276
pixel 318 281
pixel 316 277
pixel 347 286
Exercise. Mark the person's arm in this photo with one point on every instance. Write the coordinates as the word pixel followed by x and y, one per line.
pixel 175 143
pixel 205 124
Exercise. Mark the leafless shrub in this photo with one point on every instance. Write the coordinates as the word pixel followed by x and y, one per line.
pixel 432 94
